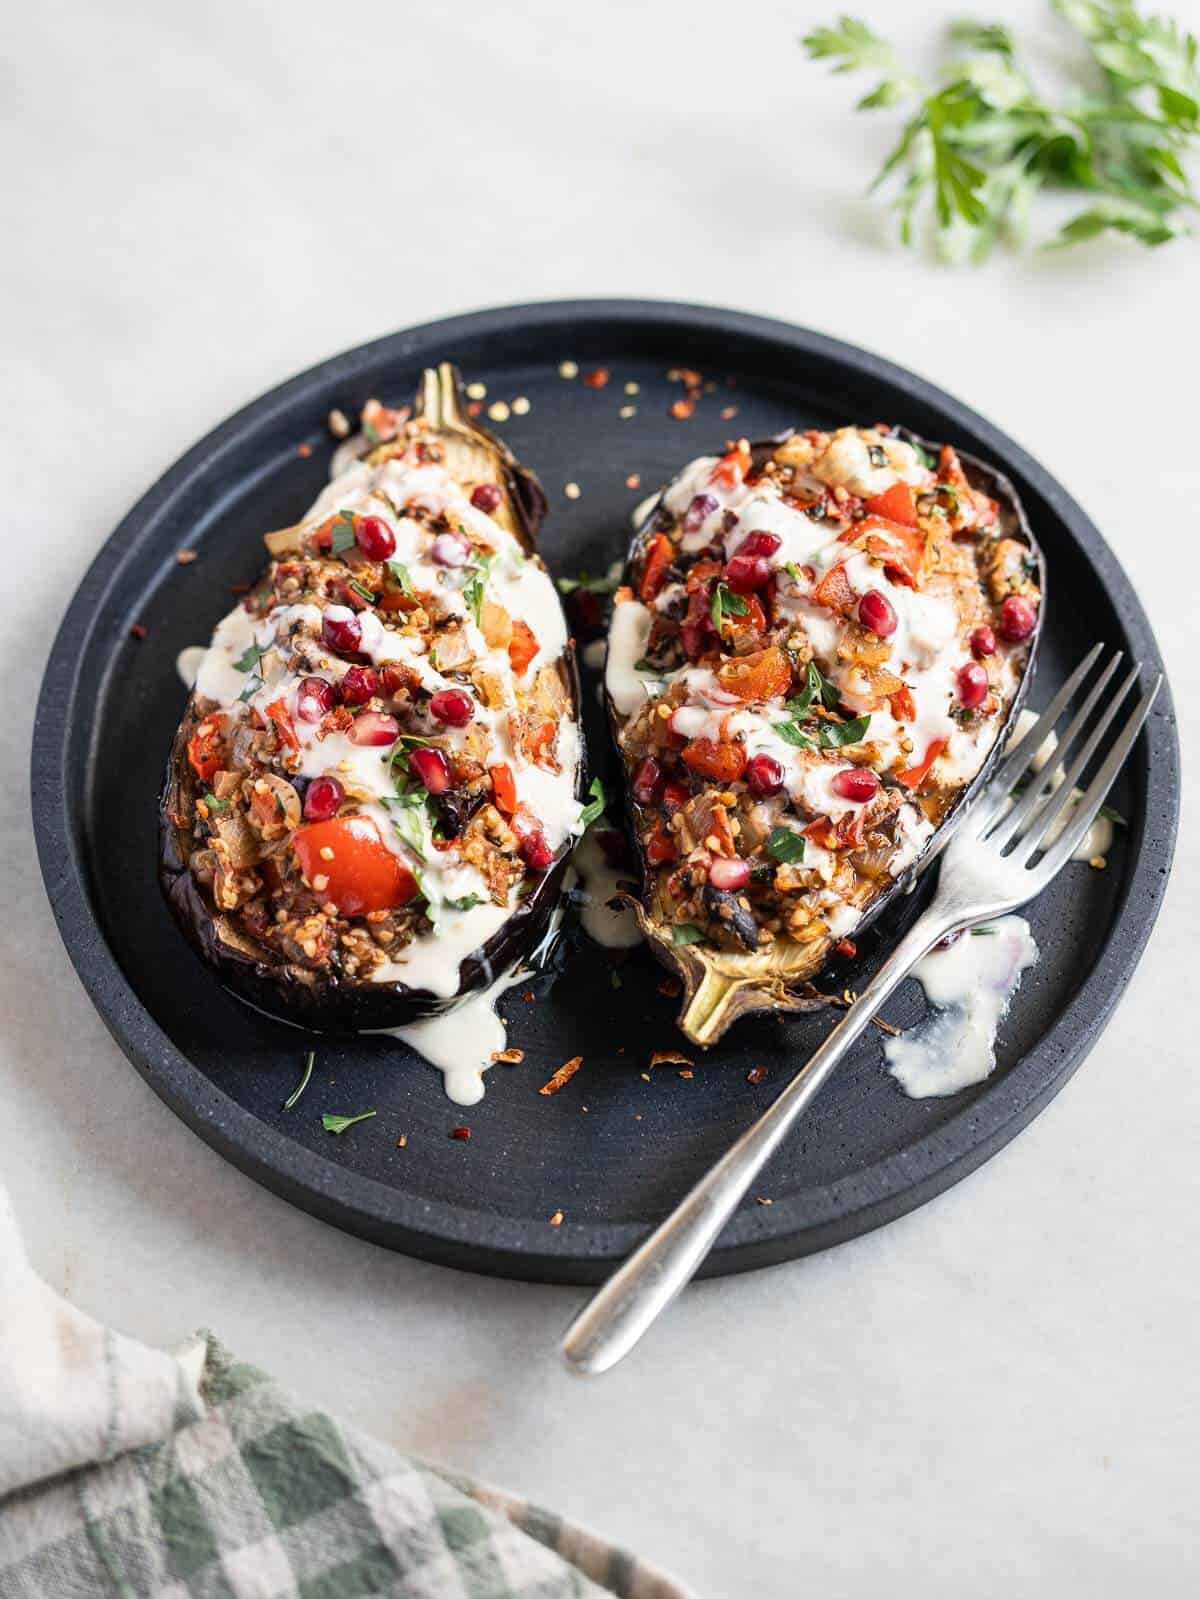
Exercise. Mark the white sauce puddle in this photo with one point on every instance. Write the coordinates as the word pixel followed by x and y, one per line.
pixel 968 987
pixel 613 927
pixel 461 1042
pixel 187 663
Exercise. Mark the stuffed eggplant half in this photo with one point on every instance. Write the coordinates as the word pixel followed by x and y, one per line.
pixel 821 641
pixel 373 793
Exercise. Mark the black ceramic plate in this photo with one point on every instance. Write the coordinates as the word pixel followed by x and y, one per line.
pixel 612 1150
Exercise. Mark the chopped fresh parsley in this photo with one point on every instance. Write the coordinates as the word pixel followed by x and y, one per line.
pixel 248 661
pixel 595 806
pixel 213 803
pixel 341 535
pixel 251 689
pixel 339 1124
pixel 726 603
pixel 473 588
pixel 400 572
pixel 468 902
pixel 834 735
pixel 816 687
pixel 687 933
pixel 786 845
pixel 793 571
pixel 406 811
pixel 362 592
pixel 290 1102
pixel 792 733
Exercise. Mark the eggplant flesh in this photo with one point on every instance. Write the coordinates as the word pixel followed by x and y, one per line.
pixel 974 549
pixel 519 829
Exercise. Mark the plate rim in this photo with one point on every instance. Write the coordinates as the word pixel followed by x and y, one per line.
pixel 456 1235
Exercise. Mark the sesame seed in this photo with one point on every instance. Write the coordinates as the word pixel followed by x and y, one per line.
pixel 320 883
pixel 633 388
pixel 557 1219
pixel 338 424
pixel 499 411
pixel 634 480
pixel 626 412
pixel 521 406
pixel 325 852
pixel 568 369
pixel 402 1141
pixel 476 391
pixel 572 491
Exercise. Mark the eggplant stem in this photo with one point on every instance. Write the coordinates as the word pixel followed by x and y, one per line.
pixel 439 399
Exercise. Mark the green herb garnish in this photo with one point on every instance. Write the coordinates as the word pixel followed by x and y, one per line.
pixel 341 534
pixel 467 903
pixel 213 803
pixel 785 845
pixel 726 603
pixel 816 687
pixel 983 932
pixel 687 933
pixel 290 1102
pixel 362 592
pixel 339 1124
pixel 248 661
pixel 473 588
pixel 250 690
pixel 591 585
pixel 981 143
pixel 406 811
pixel 595 806
pixel 400 572
pixel 834 735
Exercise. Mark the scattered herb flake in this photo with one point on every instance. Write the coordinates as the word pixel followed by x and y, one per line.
pixel 248 661
pixel 786 845
pixel 290 1102
pixel 835 735
pixel 594 806
pixel 362 592
pixel 726 603
pixel 339 1124
pixel 400 572
pixel 341 535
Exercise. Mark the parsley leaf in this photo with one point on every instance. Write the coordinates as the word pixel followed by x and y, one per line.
pixel 726 603
pixel 834 735
pixel 400 572
pixel 473 588
pixel 290 1102
pixel 467 903
pixel 980 144
pixel 248 661
pixel 595 806
pixel 213 803
pixel 341 535
pixel 250 690
pixel 339 1124
pixel 363 593
pixel 785 845
pixel 406 811
pixel 687 933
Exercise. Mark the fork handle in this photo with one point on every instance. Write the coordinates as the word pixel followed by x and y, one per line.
pixel 617 1316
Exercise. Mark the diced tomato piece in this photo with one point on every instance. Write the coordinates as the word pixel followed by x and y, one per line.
pixel 204 746
pixel 834 591
pixel 658 558
pixel 902 705
pixel 504 788
pixel 731 469
pixel 752 620
pixel 901 548
pixel 361 873
pixel 822 832
pixel 914 776
pixel 522 647
pixel 950 469
pixel 896 504
pixel 723 762
pixel 278 712
pixel 674 797
pixel 660 846
pixel 763 676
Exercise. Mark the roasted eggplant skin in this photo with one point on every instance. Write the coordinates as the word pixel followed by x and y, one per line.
pixel 718 988
pixel 329 1001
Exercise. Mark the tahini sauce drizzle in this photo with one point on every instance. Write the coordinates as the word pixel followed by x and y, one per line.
pixel 969 987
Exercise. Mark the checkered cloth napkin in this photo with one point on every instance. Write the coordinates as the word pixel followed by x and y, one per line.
pixel 129 1473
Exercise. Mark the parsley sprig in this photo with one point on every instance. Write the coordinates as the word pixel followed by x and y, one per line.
pixel 979 146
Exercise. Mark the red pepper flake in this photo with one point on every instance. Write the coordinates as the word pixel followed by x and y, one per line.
pixel 305 450
pixel 185 557
pixel 759 1200
pixel 529 997
pixel 728 414
pixel 681 410
pixel 402 1141
pixel 509 1057
pixel 846 947
pixel 687 1075
pixel 562 1076
pixel 461 1133
pixel 597 378
pixel 670 988
pixel 757 1074
pixel 137 631
pixel 669 1057
pixel 634 480
pixel 474 407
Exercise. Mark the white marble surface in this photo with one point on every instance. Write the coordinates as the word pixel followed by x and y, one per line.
pixel 998 1394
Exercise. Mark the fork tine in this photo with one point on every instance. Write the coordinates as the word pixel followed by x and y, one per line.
pixel 1041 784
pixel 1064 846
pixel 1056 802
pixel 1015 763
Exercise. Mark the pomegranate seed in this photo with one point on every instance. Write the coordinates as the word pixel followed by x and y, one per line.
pixel 393 678
pixel 745 573
pixel 877 613
pixel 764 775
pixel 431 768
pixel 450 549
pixel 856 783
pixel 314 699
pixel 341 630
pixel 759 544
pixel 323 799
pixel 535 851
pixel 374 537
pixel 701 507
pixel 463 1134
pixel 487 498
pixel 983 643
pixel 373 729
pixel 1018 618
pixel 728 875
pixel 647 781
pixel 454 706
pixel 973 686
pixel 359 685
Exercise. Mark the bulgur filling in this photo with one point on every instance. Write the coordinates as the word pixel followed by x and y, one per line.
pixel 384 749
pixel 817 651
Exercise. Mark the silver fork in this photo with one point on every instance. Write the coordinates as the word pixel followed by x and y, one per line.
pixel 987 869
